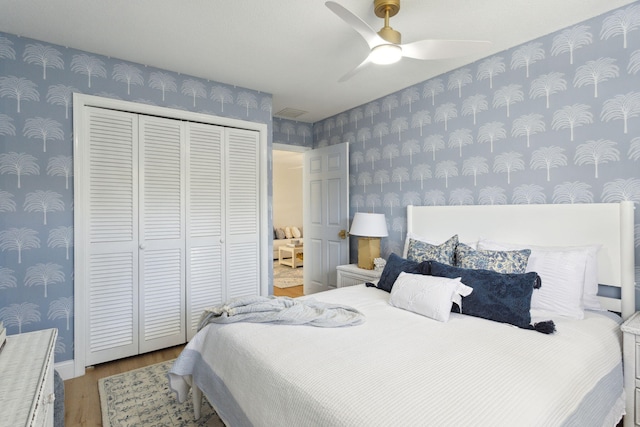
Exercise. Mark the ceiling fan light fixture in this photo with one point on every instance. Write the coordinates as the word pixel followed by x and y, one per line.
pixel 385 54
pixel 386 47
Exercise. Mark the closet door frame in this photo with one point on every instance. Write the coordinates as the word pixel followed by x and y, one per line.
pixel 80 129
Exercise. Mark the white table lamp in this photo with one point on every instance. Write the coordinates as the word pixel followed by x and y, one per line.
pixel 369 227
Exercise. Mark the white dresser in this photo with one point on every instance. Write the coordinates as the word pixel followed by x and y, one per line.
pixel 631 356
pixel 350 274
pixel 26 379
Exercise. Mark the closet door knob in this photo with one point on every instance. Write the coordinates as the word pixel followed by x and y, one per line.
pixel 143 246
pixel 221 240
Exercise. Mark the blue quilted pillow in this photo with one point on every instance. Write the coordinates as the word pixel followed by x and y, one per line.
pixel 498 261
pixel 423 251
pixel 396 265
pixel 499 297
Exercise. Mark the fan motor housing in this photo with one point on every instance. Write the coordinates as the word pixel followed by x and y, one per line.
pixel 390 35
pixel 380 7
pixel 386 9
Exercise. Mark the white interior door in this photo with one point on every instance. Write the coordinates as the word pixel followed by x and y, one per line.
pixel 205 215
pixel 161 233
pixel 325 196
pixel 110 224
pixel 242 222
pixel 137 189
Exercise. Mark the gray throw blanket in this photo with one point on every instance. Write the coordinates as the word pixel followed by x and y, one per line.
pixel 282 310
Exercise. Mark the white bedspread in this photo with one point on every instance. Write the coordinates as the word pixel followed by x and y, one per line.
pixel 399 368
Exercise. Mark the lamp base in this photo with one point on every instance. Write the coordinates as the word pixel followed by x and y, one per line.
pixel 368 249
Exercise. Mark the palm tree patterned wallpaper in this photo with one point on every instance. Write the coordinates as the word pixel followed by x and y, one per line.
pixel 291 132
pixel 37 82
pixel 555 120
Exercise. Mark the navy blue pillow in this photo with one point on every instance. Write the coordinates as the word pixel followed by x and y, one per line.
pixel 496 296
pixel 396 265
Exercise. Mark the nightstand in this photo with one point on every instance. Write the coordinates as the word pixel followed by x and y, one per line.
pixel 631 360
pixel 350 274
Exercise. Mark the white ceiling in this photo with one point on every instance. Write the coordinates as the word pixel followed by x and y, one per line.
pixel 294 49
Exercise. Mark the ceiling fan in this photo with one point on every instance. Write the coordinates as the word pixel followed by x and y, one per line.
pixel 386 46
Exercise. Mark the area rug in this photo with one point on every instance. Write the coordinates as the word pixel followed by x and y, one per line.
pixel 285 276
pixel 142 398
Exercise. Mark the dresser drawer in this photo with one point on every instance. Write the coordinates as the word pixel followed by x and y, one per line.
pixel 637 359
pixel 27 379
pixel 350 275
pixel 349 280
pixel 631 359
pixel 637 406
pixel 44 409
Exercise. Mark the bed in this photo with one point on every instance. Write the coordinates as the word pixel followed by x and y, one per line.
pixel 401 368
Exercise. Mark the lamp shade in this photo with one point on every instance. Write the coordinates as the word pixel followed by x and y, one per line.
pixel 369 225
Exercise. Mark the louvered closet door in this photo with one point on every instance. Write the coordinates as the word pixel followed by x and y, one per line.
pixel 111 192
pixel 162 233
pixel 205 209
pixel 242 215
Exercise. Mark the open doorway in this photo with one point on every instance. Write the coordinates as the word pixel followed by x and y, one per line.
pixel 287 220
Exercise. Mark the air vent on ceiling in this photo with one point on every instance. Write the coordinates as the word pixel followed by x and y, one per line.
pixel 290 113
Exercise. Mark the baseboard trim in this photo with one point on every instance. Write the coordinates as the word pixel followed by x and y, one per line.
pixel 66 369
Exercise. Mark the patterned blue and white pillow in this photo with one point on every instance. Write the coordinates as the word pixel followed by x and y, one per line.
pixel 422 251
pixel 498 261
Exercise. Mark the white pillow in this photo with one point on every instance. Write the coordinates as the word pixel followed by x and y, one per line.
pixel 296 232
pixel 429 296
pixel 569 276
pixel 414 236
pixel 287 233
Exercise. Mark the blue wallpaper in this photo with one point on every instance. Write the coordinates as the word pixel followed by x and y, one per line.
pixel 291 132
pixel 37 81
pixel 555 120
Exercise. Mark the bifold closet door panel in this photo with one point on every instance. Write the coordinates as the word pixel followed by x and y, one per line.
pixel 242 213
pixel 161 233
pixel 110 193
pixel 205 208
pixel 168 225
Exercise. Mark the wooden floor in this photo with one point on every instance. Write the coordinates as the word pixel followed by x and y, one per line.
pixel 293 292
pixel 81 398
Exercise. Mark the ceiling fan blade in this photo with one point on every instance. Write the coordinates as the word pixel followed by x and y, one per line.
pixel 368 34
pixel 354 71
pixel 442 49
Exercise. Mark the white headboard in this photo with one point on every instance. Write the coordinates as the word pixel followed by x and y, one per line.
pixel 607 224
